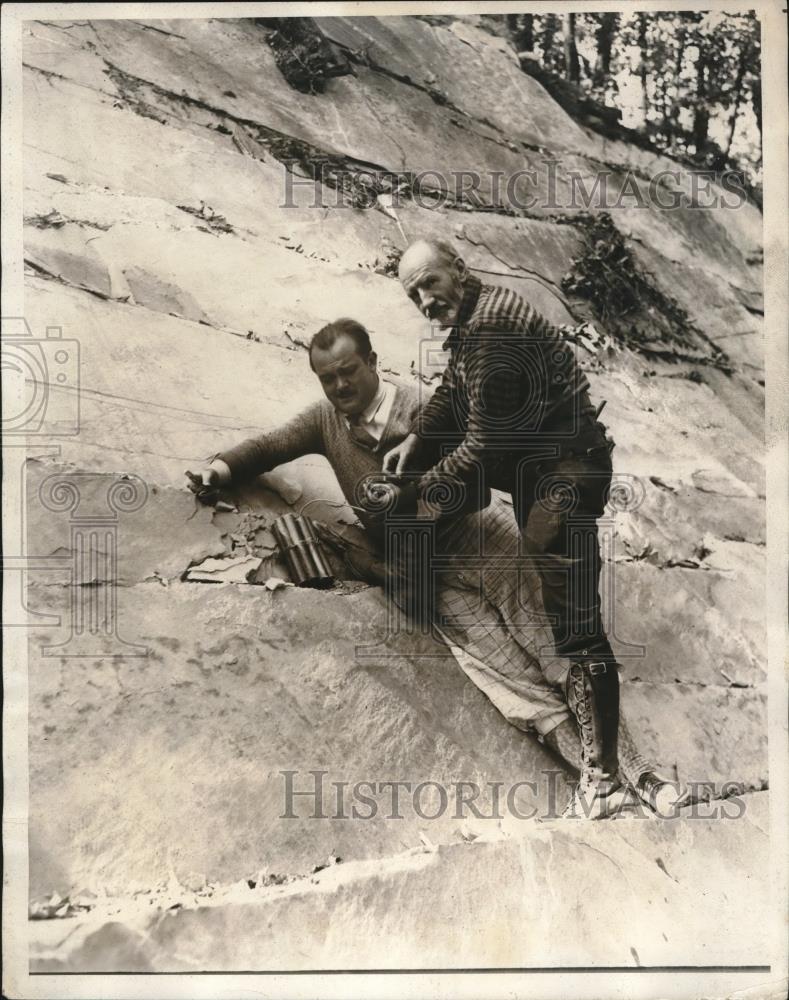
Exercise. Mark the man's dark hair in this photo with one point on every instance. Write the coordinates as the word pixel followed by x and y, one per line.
pixel 344 327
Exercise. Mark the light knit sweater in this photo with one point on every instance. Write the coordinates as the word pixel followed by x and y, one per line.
pixel 321 430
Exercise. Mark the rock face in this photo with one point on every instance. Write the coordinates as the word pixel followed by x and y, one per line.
pixel 497 904
pixel 171 228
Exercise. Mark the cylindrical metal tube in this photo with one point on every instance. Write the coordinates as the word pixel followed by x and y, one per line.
pixel 302 551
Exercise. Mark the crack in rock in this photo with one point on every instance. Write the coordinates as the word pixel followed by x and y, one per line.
pixel 214 222
pixel 42 272
pixel 54 220
pixel 362 58
pixel 360 181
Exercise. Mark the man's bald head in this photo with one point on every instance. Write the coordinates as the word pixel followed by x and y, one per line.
pixel 433 275
pixel 433 250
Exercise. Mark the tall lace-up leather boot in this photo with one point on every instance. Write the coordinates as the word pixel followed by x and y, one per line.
pixel 593 697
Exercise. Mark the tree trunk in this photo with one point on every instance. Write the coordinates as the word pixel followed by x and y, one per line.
pixel 549 25
pixel 642 68
pixel 521 27
pixel 744 52
pixel 605 42
pixel 756 97
pixel 572 66
pixel 701 119
pixel 671 119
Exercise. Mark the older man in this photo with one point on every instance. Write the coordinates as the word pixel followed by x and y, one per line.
pixel 517 407
pixel 487 615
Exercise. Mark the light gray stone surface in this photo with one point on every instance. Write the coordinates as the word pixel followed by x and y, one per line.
pixel 630 890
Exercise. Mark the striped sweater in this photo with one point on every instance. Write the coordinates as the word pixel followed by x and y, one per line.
pixel 512 388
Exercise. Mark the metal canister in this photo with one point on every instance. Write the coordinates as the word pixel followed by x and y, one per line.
pixel 302 551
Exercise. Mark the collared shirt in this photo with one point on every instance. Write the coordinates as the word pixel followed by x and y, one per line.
pixel 376 416
pixel 512 387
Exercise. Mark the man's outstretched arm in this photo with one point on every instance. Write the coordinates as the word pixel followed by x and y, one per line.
pixel 300 436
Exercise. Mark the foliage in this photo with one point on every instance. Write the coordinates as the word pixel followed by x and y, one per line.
pixel 624 297
pixel 689 81
pixel 304 56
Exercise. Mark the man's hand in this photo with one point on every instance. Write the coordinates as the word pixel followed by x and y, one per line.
pixel 206 482
pixel 385 499
pixel 202 480
pixel 403 456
